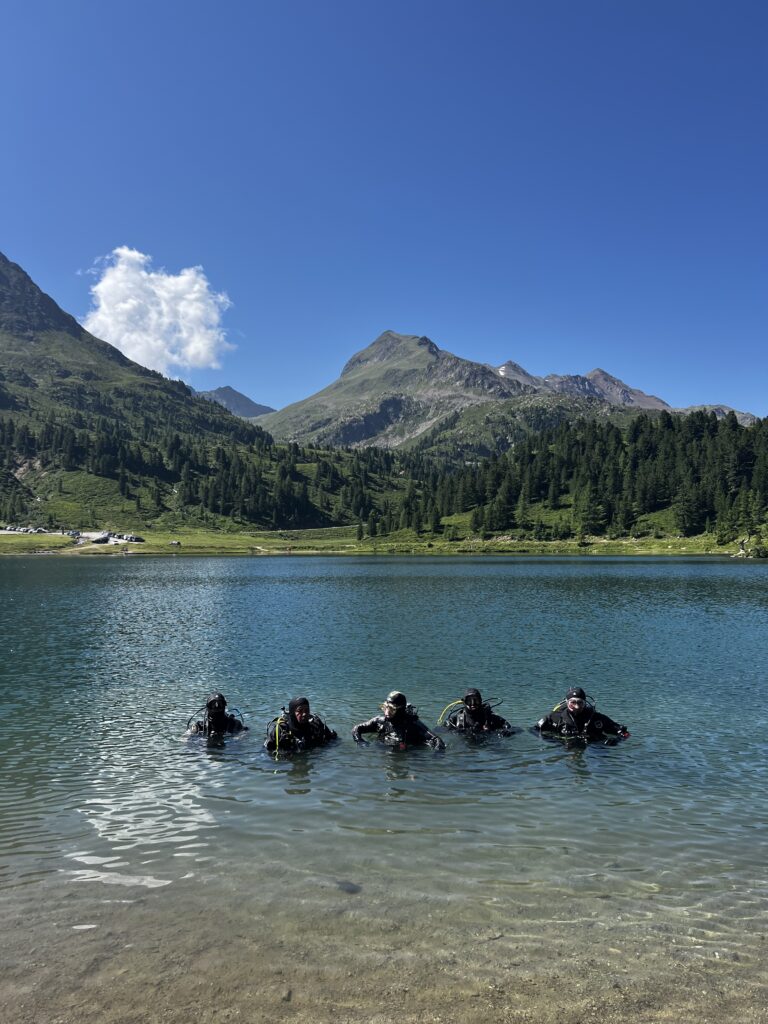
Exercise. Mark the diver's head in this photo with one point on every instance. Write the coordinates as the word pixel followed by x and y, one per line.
pixel 473 700
pixel 576 699
pixel 394 705
pixel 298 711
pixel 216 704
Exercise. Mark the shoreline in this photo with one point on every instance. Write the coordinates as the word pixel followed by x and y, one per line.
pixel 307 543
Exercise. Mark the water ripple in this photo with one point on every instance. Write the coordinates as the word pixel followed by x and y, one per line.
pixel 106 663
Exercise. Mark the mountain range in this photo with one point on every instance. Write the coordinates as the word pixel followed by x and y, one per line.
pixel 401 391
pixel 404 390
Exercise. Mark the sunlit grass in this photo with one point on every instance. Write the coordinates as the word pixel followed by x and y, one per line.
pixel 343 541
pixel 25 543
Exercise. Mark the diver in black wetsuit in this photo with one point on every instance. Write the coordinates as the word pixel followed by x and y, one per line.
pixel 399 726
pixel 577 718
pixel 297 729
pixel 216 721
pixel 477 716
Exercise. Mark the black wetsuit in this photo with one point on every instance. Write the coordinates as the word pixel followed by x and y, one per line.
pixel 404 730
pixel 218 725
pixel 285 733
pixel 588 724
pixel 481 720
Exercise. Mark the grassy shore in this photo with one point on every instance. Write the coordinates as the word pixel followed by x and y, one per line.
pixel 343 541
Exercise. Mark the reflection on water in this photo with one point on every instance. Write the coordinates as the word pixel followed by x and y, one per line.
pixel 515 855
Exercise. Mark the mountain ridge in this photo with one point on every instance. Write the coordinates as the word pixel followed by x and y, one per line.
pixel 402 386
pixel 396 392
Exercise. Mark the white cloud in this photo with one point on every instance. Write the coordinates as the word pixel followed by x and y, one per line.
pixel 158 319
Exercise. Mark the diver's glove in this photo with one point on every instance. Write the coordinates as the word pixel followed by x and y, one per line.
pixel 358 738
pixel 436 743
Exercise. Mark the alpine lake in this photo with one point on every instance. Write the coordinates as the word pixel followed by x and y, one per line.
pixel 150 877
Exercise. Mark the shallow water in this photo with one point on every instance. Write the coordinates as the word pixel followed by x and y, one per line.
pixel 145 876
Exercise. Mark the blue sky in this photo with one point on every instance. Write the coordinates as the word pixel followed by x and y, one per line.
pixel 565 184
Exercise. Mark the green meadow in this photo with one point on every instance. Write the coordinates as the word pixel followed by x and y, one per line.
pixel 344 541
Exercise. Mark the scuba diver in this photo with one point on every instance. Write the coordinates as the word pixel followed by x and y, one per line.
pixel 475 715
pixel 399 726
pixel 216 721
pixel 297 729
pixel 576 718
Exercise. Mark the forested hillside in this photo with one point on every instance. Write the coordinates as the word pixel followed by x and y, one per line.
pixel 661 474
pixel 674 474
pixel 72 474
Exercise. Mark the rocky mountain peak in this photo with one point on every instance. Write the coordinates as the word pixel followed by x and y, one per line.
pixel 236 402
pixel 615 391
pixel 393 347
pixel 514 371
pixel 25 309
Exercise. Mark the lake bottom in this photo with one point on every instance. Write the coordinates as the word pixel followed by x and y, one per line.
pixel 331 949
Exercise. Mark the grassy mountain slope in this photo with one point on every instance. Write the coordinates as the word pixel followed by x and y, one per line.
pixel 48 361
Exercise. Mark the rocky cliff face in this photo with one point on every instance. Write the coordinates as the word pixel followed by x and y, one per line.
pixel 38 339
pixel 25 309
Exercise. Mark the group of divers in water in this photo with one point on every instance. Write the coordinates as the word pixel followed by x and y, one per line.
pixel 295 729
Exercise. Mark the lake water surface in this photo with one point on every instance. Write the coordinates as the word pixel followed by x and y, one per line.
pixel 149 877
